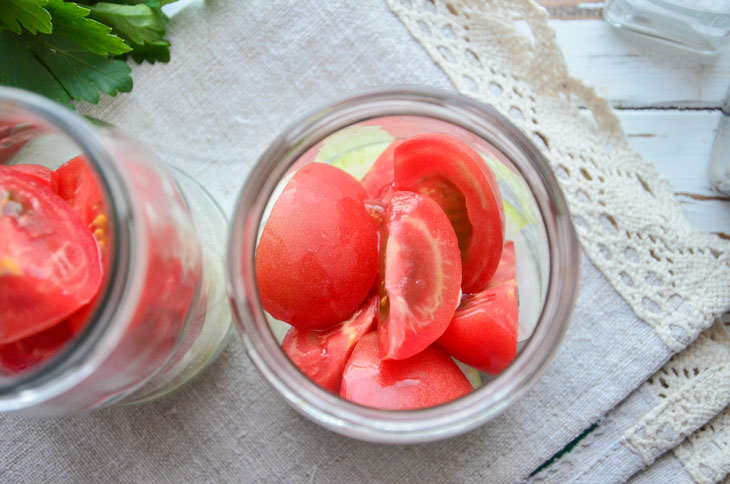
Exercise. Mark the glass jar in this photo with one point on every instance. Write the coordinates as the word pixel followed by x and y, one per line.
pixel 160 315
pixel 702 26
pixel 351 133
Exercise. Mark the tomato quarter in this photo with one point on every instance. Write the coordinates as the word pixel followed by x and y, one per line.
pixel 49 262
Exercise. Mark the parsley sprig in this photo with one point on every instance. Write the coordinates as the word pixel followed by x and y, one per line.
pixel 72 51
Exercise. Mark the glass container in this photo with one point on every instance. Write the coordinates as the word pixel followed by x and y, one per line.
pixel 160 315
pixel 350 134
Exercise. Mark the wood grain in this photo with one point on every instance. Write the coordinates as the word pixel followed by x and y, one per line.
pixel 573 9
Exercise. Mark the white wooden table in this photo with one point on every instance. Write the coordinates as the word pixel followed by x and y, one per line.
pixel 668 100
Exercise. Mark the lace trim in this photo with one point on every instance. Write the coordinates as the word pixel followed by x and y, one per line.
pixel 691 388
pixel 676 278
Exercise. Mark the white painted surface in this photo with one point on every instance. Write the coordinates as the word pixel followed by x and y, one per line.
pixel 631 71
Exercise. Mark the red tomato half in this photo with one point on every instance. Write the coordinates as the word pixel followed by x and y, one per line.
pixel 421 275
pixel 317 258
pixel 40 173
pixel 28 352
pixel 483 333
pixel 321 355
pixel 424 380
pixel 378 181
pixel 78 185
pixel 454 175
pixel 49 262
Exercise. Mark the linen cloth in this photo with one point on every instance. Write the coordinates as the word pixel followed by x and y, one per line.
pixel 240 71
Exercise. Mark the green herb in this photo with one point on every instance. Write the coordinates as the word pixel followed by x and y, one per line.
pixel 72 51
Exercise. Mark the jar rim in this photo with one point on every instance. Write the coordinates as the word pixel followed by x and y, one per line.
pixel 84 353
pixel 473 409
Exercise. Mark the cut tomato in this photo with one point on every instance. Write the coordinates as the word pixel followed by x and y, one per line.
pixel 483 333
pixel 378 181
pixel 424 380
pixel 321 355
pixel 318 254
pixel 28 352
pixel 41 173
pixel 78 185
pixel 454 175
pixel 49 262
pixel 421 275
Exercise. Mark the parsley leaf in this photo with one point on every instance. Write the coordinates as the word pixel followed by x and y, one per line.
pixel 69 20
pixel 29 14
pixel 141 26
pixel 81 73
pixel 21 68
pixel 59 68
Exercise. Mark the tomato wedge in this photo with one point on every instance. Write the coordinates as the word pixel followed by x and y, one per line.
pixel 317 258
pixel 78 185
pixel 424 380
pixel 28 352
pixel 483 333
pixel 321 355
pixel 49 262
pixel 421 275
pixel 45 175
pixel 454 175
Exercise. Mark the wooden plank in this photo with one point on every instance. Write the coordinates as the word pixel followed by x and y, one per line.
pixel 679 144
pixel 635 72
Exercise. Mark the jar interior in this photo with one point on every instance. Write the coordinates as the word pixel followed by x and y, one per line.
pixel 355 148
pixel 39 148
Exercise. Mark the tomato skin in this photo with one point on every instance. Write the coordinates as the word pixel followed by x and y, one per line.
pixel 454 175
pixel 421 275
pixel 321 355
pixel 424 380
pixel 28 352
pixel 40 173
pixel 50 262
pixel 483 332
pixel 317 257
pixel 378 181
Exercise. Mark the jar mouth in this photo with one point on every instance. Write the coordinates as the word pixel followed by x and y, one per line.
pixel 469 411
pixel 81 355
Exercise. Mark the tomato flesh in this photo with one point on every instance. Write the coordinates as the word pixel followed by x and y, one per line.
pixel 317 257
pixel 421 275
pixel 42 174
pixel 321 355
pixel 49 262
pixel 78 185
pixel 28 352
pixel 424 380
pixel 378 181
pixel 454 175
pixel 483 332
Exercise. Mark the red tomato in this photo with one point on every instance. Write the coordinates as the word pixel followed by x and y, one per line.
pixel 40 173
pixel 28 352
pixel 421 275
pixel 378 181
pixel 426 379
pixel 454 175
pixel 483 333
pixel 49 262
pixel 318 254
pixel 321 355
pixel 78 185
